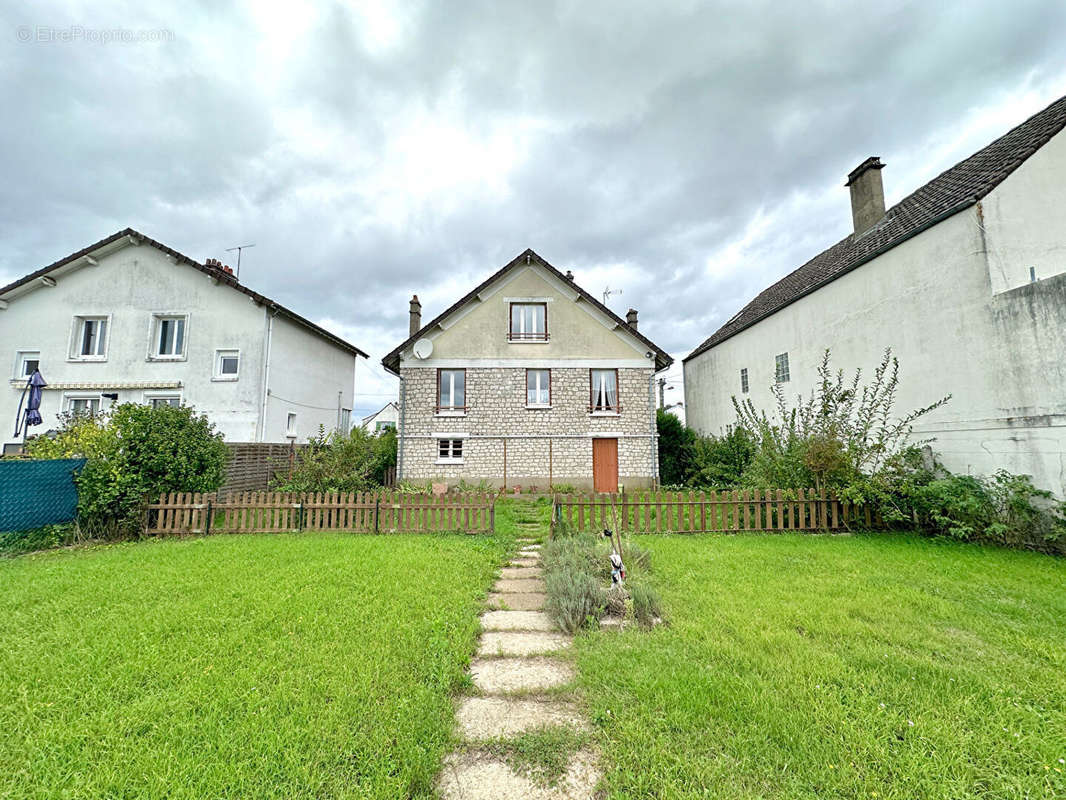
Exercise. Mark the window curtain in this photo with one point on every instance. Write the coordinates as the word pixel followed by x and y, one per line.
pixel 611 389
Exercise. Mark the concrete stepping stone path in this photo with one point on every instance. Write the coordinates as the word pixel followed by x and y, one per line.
pixel 519 682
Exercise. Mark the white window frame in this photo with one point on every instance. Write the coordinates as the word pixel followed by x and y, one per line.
pixel 69 397
pixel 781 359
pixel 153 336
pixel 77 335
pixel 345 420
pixel 226 352
pixel 539 387
pixel 522 336
pixel 452 410
pixel 21 357
pixel 290 425
pixel 452 438
pixel 744 385
pixel 149 398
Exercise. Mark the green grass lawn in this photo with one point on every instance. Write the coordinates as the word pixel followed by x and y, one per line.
pixel 854 667
pixel 288 666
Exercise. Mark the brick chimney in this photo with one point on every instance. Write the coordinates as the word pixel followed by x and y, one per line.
pixel 867 194
pixel 631 318
pixel 416 315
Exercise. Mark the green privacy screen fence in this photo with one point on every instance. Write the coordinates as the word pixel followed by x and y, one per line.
pixel 36 493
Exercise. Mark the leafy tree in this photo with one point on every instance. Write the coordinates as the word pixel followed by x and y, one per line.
pixel 135 452
pixel 721 461
pixel 675 448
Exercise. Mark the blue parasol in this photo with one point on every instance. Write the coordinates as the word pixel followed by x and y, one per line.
pixel 34 389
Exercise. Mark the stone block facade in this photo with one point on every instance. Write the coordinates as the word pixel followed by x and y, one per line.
pixel 506 443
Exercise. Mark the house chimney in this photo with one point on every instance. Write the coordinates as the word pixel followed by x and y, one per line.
pixel 416 315
pixel 867 194
pixel 569 275
pixel 631 318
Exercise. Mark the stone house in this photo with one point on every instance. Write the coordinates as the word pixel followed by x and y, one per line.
pixel 964 278
pixel 527 380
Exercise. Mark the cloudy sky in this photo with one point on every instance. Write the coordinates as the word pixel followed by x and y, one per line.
pixel 685 153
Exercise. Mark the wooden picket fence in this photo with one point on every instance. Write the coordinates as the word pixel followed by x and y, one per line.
pixel 711 512
pixel 354 512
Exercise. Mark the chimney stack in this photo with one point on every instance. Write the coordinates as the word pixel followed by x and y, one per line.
pixel 569 275
pixel 867 194
pixel 631 318
pixel 416 315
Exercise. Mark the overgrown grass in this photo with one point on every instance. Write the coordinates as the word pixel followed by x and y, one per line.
pixel 542 754
pixel 14 543
pixel 287 666
pixel 813 666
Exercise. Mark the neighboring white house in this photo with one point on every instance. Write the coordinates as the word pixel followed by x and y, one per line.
pixel 131 320
pixel 965 279
pixel 528 380
pixel 387 417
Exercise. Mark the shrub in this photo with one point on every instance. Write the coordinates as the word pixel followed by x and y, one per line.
pixel 342 462
pixel 575 568
pixel 647 606
pixel 720 461
pixel 135 452
pixel 675 447
pixel 1004 509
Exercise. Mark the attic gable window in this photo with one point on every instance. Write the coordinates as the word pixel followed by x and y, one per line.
pixel 529 322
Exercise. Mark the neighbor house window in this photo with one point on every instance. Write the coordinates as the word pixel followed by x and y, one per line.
pixel 90 338
pixel 529 322
pixel 227 365
pixel 384 426
pixel 84 406
pixel 290 425
pixel 160 400
pixel 781 373
pixel 538 388
pixel 26 361
pixel 604 386
pixel 451 390
pixel 449 451
pixel 744 380
pixel 345 420
pixel 168 338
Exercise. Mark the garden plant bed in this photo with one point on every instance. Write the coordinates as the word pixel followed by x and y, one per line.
pixel 880 665
pixel 280 665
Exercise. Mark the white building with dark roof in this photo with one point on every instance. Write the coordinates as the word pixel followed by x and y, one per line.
pixel 128 319
pixel 965 279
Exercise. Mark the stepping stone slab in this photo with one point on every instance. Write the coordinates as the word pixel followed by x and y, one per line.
pixel 498 675
pixel 521 643
pixel 525 562
pixel 523 601
pixel 516 621
pixel 483 718
pixel 519 585
pixel 482 776
pixel 520 572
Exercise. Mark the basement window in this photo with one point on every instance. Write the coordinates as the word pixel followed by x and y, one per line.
pixel 781 368
pixel 449 451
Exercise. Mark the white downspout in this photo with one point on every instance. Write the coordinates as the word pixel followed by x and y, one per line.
pixel 654 432
pixel 260 433
pixel 399 439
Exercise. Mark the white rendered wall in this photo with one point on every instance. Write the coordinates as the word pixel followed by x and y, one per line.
pixel 932 300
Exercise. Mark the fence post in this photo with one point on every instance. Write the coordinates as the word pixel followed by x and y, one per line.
pixel 300 519
pixel 207 525
pixel 377 510
pixel 492 515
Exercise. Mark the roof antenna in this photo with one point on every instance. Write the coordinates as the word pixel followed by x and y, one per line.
pixel 608 292
pixel 528 258
pixel 238 248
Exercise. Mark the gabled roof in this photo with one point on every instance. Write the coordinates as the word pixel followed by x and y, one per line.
pixel 369 417
pixel 945 195
pixel 391 362
pixel 216 273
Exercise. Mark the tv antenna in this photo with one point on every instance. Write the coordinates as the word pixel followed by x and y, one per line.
pixel 608 292
pixel 238 248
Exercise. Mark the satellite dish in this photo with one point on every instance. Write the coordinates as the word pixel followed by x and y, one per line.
pixel 423 348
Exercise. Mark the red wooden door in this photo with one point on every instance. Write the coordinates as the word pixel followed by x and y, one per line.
pixel 605 465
